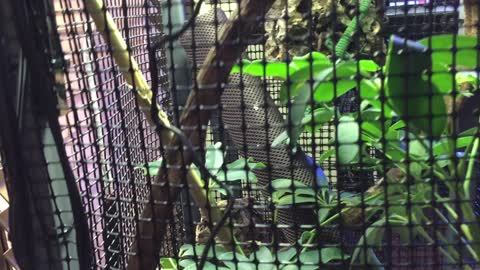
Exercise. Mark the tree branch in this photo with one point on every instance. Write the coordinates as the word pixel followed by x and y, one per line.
pixel 201 102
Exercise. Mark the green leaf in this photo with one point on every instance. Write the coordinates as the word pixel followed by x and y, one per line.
pixel 240 169
pixel 323 214
pixel 294 199
pixel 246 266
pixel 151 169
pixel 410 95
pixel 287 184
pixel 350 199
pixel 235 175
pixel 186 263
pixel 297 70
pixel 397 125
pixel 326 155
pixel 243 262
pixel 297 112
pixel 348 69
pixel 373 260
pixel 332 254
pixel 208 266
pixel 348 135
pixel 348 154
pixel 263 255
pixel 290 267
pixel 417 149
pixel 443 82
pixel 302 67
pixel 306 235
pixel 302 267
pixel 328 91
pixel 287 256
pixel 370 115
pixel 302 73
pixel 241 163
pixel 442 148
pixel 393 151
pixel 265 258
pixel 214 158
pixel 185 250
pixel 372 237
pixel 373 130
pixel 259 69
pixel 469 132
pixel 284 192
pixel 343 74
pixel 310 257
pixel 442 54
pixel 168 263
pixel 315 56
pixel 368 65
pixel 415 169
pixel 382 106
pixel 280 139
pixel 301 194
pixel 348 130
pixel 236 68
pixel 226 256
pixel 369 90
pixel 320 117
pixel 288 92
pixel 446 82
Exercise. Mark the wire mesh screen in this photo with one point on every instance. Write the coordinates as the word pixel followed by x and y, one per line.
pixel 104 130
pixel 283 135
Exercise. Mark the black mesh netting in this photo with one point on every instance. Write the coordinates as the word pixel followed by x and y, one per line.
pixel 295 134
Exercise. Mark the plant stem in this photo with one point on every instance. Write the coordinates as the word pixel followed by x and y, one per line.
pixel 425 235
pixel 447 206
pixel 310 240
pixel 347 36
pixel 466 228
pixel 238 247
pixel 455 231
pixel 336 216
pixel 134 77
pixel 471 163
pixel 461 164
pixel 438 171
pixel 450 248
pixel 471 229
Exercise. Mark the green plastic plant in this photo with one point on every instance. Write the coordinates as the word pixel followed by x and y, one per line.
pixel 404 118
pixel 285 258
pixel 239 170
pixel 409 132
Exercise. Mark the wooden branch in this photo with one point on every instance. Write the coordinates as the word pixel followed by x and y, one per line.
pixel 213 74
pixel 134 77
pixel 126 63
pixel 471 8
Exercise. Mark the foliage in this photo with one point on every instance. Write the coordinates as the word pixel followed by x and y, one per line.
pixel 263 257
pixel 403 118
pixel 409 132
pixel 239 170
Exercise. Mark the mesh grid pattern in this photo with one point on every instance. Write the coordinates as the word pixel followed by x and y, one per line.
pixel 105 132
pixel 106 137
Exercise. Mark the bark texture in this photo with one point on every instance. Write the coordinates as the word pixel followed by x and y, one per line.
pixel 471 17
pixel 302 32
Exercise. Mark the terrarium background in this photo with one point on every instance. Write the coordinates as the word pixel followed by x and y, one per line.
pixel 106 135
